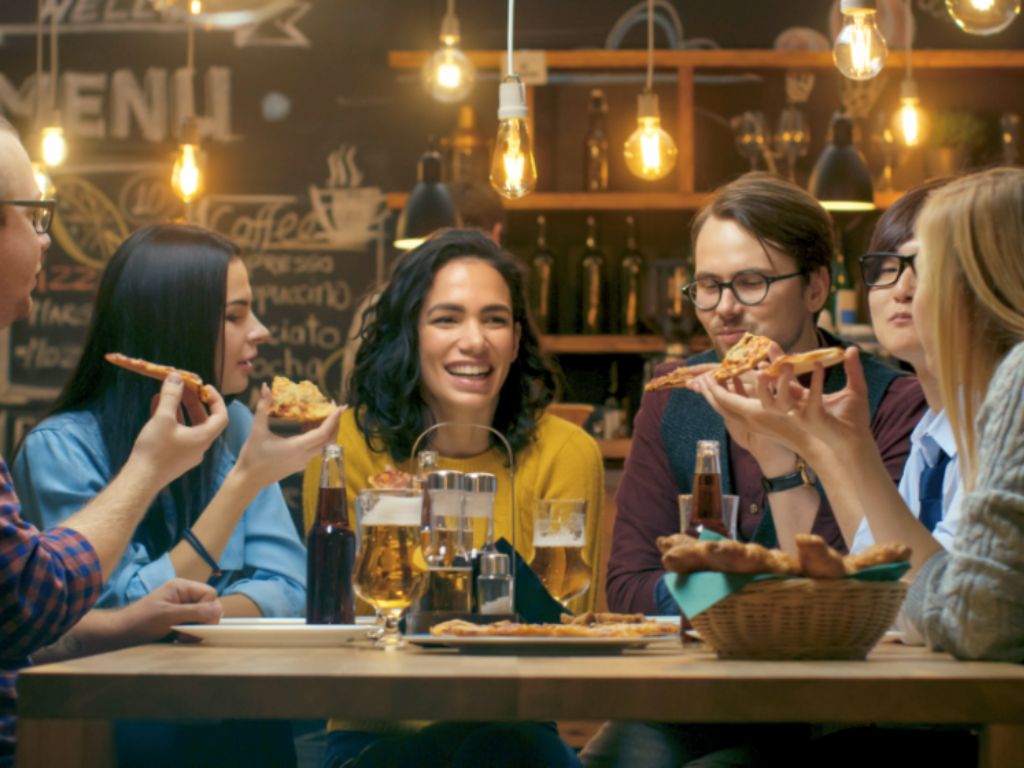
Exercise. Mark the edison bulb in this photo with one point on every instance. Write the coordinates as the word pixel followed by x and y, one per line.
pixel 513 169
pixel 860 51
pixel 983 17
pixel 46 186
pixel 53 146
pixel 650 151
pixel 186 178
pixel 910 123
pixel 448 75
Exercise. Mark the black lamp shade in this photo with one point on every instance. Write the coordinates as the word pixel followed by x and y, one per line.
pixel 840 180
pixel 429 207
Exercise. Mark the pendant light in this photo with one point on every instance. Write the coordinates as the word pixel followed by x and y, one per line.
pixel 983 17
pixel 187 176
pixel 859 51
pixel 910 123
pixel 840 180
pixel 650 151
pixel 53 147
pixel 513 169
pixel 448 74
pixel 429 207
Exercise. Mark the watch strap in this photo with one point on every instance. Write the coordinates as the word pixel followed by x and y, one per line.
pixel 797 478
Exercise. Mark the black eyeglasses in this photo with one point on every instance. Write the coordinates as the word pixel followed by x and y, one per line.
pixel 42 212
pixel 884 269
pixel 750 288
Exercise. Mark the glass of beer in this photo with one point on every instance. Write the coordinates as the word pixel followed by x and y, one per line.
pixel 559 535
pixel 390 570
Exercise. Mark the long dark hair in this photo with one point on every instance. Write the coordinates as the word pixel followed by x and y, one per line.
pixel 161 298
pixel 386 381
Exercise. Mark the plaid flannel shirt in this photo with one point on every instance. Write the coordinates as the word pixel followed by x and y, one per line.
pixel 48 583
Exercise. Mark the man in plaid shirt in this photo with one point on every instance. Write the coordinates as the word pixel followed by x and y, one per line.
pixel 49 581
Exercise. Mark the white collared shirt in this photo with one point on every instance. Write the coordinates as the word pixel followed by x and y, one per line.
pixel 932 433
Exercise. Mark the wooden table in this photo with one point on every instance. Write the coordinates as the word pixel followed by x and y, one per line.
pixel 64 709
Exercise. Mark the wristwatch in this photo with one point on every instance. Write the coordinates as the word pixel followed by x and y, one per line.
pixel 802 476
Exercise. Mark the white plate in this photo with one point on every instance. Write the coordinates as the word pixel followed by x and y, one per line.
pixel 273 633
pixel 536 645
pixel 248 621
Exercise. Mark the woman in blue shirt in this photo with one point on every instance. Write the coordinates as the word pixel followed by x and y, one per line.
pixel 177 295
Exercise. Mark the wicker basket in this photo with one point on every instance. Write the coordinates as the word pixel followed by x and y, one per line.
pixel 801 619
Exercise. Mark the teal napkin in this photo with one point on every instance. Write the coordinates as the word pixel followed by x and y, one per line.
pixel 696 592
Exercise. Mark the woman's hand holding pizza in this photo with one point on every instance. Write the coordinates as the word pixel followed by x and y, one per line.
pixel 267 458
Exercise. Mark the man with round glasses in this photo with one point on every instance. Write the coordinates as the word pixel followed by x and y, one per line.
pixel 763 251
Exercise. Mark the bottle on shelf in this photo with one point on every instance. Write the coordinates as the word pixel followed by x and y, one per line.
pixel 845 295
pixel 592 283
pixel 331 548
pixel 630 286
pixel 469 159
pixel 706 511
pixel 542 265
pixel 595 160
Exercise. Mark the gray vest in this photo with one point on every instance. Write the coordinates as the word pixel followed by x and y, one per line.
pixel 688 418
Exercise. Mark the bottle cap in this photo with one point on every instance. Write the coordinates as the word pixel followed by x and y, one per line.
pixel 445 480
pixel 481 482
pixel 494 564
pixel 332 451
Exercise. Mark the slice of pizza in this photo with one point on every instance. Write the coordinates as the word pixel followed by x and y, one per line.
pixel 804 362
pixel 392 479
pixel 298 402
pixel 745 355
pixel 191 380
pixel 679 377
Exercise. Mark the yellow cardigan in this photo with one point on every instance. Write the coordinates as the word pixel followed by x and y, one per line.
pixel 562 462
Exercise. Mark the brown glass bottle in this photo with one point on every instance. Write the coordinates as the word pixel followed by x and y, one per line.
pixel 331 548
pixel 707 490
pixel 592 302
pixel 542 289
pixel 596 146
pixel 630 288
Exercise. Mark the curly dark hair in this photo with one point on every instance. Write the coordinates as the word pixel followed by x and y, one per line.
pixel 385 387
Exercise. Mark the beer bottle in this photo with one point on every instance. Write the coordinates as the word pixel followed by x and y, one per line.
pixel 331 548
pixel 845 295
pixel 592 287
pixel 630 276
pixel 542 266
pixel 706 511
pixel 596 145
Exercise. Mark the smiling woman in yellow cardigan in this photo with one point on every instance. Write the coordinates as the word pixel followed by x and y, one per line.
pixel 450 340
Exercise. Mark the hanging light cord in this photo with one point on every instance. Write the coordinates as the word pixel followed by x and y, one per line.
pixel 39 62
pixel 511 16
pixel 190 54
pixel 909 40
pixel 53 61
pixel 650 45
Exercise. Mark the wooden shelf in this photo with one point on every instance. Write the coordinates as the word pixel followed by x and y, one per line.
pixel 602 345
pixel 729 59
pixel 612 201
pixel 615 449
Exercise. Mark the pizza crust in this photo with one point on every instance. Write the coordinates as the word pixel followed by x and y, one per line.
pixel 646 628
pixel 192 381
pixel 804 362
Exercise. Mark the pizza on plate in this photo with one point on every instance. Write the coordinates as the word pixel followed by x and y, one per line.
pixel 392 479
pixel 646 628
pixel 298 402
pixel 191 380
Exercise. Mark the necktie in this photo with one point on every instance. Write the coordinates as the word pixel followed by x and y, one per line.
pixel 930 495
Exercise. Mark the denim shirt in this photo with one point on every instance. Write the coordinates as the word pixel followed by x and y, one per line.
pixel 63 464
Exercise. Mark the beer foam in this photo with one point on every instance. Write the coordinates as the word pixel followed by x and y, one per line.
pixel 559 539
pixel 395 510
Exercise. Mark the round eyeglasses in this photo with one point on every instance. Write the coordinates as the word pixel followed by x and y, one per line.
pixel 749 287
pixel 40 212
pixel 883 269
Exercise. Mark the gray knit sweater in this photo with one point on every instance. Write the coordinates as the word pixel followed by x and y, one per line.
pixel 970 600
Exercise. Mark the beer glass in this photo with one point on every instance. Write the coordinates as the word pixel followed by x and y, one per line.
pixel 390 570
pixel 559 535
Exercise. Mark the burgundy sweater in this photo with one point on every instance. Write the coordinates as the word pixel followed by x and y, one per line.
pixel 647 505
